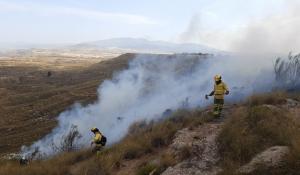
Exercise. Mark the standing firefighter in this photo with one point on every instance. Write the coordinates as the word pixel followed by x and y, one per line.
pixel 99 140
pixel 220 89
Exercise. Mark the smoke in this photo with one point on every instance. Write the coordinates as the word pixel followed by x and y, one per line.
pixel 273 33
pixel 151 85
pixel 193 30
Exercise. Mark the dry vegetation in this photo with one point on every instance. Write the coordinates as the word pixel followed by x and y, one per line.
pixel 30 99
pixel 137 153
pixel 261 123
pixel 287 71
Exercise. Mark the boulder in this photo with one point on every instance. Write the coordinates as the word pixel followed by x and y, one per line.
pixel 270 158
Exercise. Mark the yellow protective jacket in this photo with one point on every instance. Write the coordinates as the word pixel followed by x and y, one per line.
pixel 219 90
pixel 97 138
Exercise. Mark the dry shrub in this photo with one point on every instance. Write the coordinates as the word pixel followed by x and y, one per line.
pixel 287 71
pixel 157 166
pixel 147 137
pixel 144 138
pixel 256 127
pixel 167 160
pixel 147 169
pixel 57 165
pixel 67 143
pixel 252 130
pixel 273 98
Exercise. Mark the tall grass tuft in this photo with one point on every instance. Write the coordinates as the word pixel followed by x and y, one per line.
pixel 287 71
pixel 260 124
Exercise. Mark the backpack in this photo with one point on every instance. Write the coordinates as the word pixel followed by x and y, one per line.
pixel 103 140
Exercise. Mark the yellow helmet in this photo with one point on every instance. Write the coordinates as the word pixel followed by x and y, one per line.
pixel 94 129
pixel 218 77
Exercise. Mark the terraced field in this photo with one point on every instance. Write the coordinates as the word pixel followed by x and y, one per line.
pixel 32 95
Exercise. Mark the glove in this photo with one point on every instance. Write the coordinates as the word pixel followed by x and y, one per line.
pixel 206 97
pixel 227 92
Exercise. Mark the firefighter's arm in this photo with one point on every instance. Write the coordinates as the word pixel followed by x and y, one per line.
pixel 211 94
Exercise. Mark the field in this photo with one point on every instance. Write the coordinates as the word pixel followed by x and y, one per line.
pixel 36 86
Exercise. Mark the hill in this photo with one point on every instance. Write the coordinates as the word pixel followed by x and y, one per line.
pixel 258 135
pixel 263 129
pixel 143 45
pixel 32 96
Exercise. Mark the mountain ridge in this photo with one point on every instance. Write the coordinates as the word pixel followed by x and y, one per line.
pixel 144 45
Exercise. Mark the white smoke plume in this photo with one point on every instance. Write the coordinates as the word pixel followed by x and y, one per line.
pixel 152 84
pixel 274 33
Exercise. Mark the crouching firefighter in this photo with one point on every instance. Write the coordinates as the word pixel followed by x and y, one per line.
pixel 99 140
pixel 220 89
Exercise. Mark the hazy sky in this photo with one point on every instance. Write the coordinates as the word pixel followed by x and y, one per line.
pixel 211 22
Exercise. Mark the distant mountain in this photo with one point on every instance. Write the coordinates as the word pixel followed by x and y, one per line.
pixel 143 45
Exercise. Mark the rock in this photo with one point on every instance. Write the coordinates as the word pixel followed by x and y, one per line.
pixel 292 103
pixel 271 107
pixel 203 147
pixel 270 158
pixel 11 156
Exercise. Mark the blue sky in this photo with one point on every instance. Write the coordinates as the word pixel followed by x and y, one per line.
pixel 73 21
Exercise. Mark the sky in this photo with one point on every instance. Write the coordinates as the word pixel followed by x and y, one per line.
pixel 222 24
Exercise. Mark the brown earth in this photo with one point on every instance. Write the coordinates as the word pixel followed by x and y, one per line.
pixel 32 96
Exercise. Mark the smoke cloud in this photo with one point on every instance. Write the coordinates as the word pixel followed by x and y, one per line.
pixel 152 84
pixel 276 33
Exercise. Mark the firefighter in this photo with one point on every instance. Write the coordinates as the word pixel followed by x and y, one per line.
pixel 24 161
pixel 99 140
pixel 220 89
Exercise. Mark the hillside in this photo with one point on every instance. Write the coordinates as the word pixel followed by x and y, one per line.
pixel 256 135
pixel 30 98
pixel 191 142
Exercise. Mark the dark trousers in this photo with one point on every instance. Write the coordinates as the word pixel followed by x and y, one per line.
pixel 218 106
pixel 97 149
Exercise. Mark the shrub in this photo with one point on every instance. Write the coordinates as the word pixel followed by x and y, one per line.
pixel 68 141
pixel 144 138
pixel 157 166
pixel 257 126
pixel 147 169
pixel 250 130
pixel 272 98
pixel 287 71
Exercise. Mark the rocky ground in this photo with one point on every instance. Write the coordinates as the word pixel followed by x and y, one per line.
pixel 201 142
pixel 203 157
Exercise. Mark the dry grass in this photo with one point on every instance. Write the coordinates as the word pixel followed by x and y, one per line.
pixel 256 127
pixel 272 98
pixel 56 166
pixel 31 99
pixel 287 71
pixel 150 138
pixel 145 140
